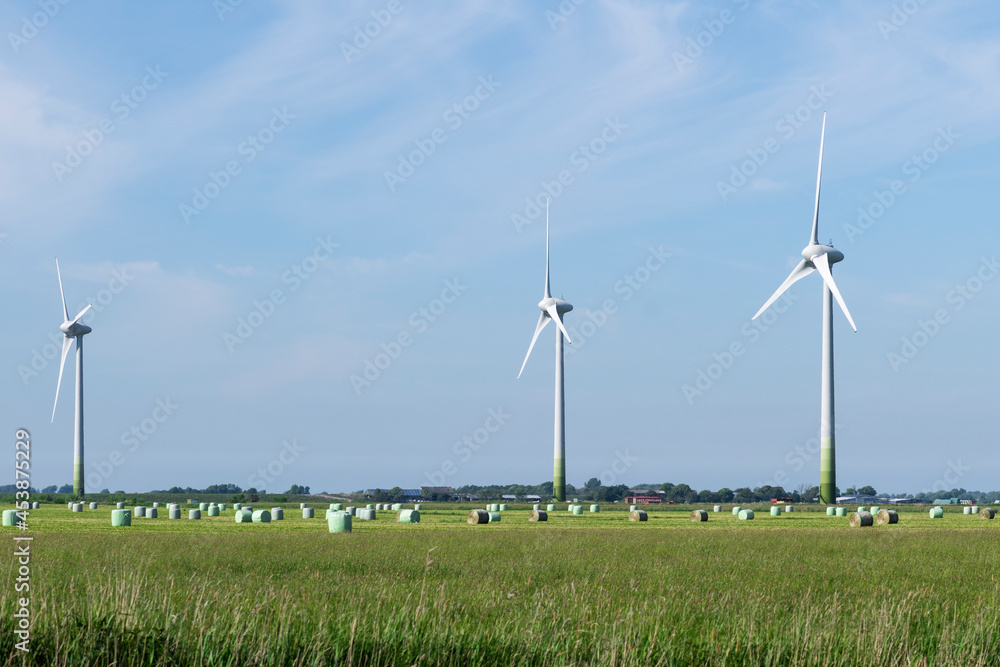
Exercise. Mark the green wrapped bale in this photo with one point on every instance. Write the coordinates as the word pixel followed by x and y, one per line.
pixel 594 509
pixel 717 508
pixel 417 506
pixel 213 510
pixel 841 511
pixel 262 516
pixel 203 507
pixel 775 510
pixel 174 513
pixel 243 516
pixel 408 516
pixel 151 513
pixel 339 507
pixel 307 513
pixel 369 506
pixel 121 518
pixel 10 517
pixel 577 509
pixel 339 521
pixel 353 511
pixel 237 506
pixel 396 507
pixel 967 510
pixel 535 507
pixel 502 507
pixel 873 510
pixel 222 507
pixel 495 517
pixel 194 515
pixel 936 513
pixel 789 508
pixel 277 514
pixel 77 507
pixel 139 512
pixel 120 506
pixel 550 507
pixel 93 506
pixel 831 511
pixel 736 510
pixel 632 508
pixel 745 515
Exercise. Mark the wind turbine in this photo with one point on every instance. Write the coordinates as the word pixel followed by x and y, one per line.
pixel 554 309
pixel 821 258
pixel 73 329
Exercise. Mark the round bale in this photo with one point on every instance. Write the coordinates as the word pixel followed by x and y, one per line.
pixel 746 515
pixel 886 517
pixel 353 511
pixel 237 506
pixel 717 508
pixel 151 513
pixel 860 519
pixel 77 507
pixel 243 516
pixel 369 506
pixel 699 515
pixel 194 514
pixel 120 506
pixel 203 507
pixel 577 509
pixel 632 508
pixel 121 518
pixel 35 505
pixel 841 511
pixel 302 506
pixel 831 511
pixel 535 507
pixel 213 510
pixel 538 515
pixel 174 513
pixel 502 507
pixel 775 510
pixel 975 509
pixel 936 513
pixel 140 512
pixel 477 516
pixel 10 517
pixel 397 507
pixel 337 506
pixel 262 516
pixel 494 517
pixel 550 507
pixel 339 522
pixel 307 513
pixel 408 516
pixel 967 510
pixel 594 509
pixel 637 515
pixel 987 513
pixel 417 506
pixel 736 510
pixel 862 509
pixel 277 514
pixel 93 506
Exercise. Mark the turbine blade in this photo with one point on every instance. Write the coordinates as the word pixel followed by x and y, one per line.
pixel 67 344
pixel 81 313
pixel 819 176
pixel 822 263
pixel 547 292
pixel 61 293
pixel 801 271
pixel 554 314
pixel 543 320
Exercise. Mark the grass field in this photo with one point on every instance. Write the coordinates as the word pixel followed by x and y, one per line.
pixel 800 589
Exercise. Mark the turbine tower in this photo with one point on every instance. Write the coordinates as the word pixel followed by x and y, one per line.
pixel 73 329
pixel 554 309
pixel 821 258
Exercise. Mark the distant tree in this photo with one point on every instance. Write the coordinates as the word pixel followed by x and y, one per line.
pixel 51 489
pixel 668 489
pixel 238 498
pixel 679 493
pixel 851 491
pixel 105 491
pixel 744 495
pixel 65 488
pixel 724 495
pixel 253 497
pixel 706 496
pixel 280 499
pixel 395 494
pixel 868 491
pixel 592 483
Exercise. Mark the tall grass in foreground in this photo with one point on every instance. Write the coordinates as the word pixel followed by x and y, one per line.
pixel 513 595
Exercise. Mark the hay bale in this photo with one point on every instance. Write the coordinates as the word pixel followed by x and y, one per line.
pixel 417 506
pixel 307 513
pixel 243 516
pixel 408 516
pixel 69 505
pixel 874 509
pixel 277 514
pixel 174 513
pixel 262 516
pixel 494 517
pixel 736 510
pixel 203 507
pixel 194 515
pixel 632 508
pixel 860 519
pixel 10 517
pixel 746 515
pixel 975 509
pixel 151 513
pixel 550 507
pixel 120 506
pixel 594 509
pixel 538 515
pixel 831 511
pixel 503 507
pixel 302 506
pixel 936 512
pixel 156 504
pixel 213 510
pixel 841 511
pixel 237 506
pixel 862 509
pixel 35 505
pixel 93 506
pixel 369 506
pixel 699 515
pixel 397 507
pixel 121 518
pixel 716 508
pixel 77 507
pixel 967 510
pixel 353 511
pixel 222 507
pixel 886 517
pixel 248 508
pixel 987 513
pixel 339 522
pixel 535 507
pixel 637 515
pixel 578 509
pixel 140 512
pixel 337 506
pixel 366 515
pixel 475 517
pixel 775 510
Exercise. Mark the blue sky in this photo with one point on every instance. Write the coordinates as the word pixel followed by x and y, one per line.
pixel 193 167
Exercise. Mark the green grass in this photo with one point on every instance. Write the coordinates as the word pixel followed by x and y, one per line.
pixel 800 589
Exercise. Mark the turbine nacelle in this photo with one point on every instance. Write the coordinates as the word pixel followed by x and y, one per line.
pixel 814 250
pixel 74 329
pixel 562 306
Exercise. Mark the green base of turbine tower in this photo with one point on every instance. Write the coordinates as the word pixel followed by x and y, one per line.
pixel 827 473
pixel 559 480
pixel 78 479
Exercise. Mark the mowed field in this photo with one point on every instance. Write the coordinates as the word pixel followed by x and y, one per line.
pixel 799 589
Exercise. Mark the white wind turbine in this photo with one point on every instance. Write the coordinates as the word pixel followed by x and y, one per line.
pixel 73 329
pixel 554 309
pixel 821 258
